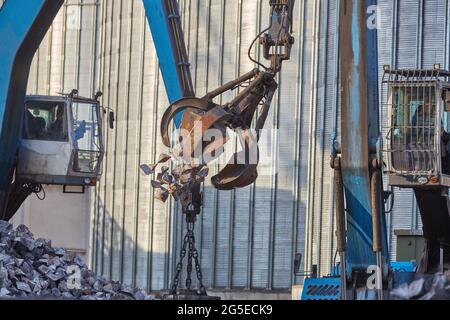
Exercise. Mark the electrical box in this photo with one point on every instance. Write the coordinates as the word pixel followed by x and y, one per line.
pixel 410 245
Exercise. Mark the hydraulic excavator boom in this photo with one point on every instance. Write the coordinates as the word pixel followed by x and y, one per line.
pixel 361 227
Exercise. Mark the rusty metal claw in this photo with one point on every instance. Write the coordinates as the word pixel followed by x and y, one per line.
pixel 235 176
pixel 175 109
pixel 241 171
pixel 199 117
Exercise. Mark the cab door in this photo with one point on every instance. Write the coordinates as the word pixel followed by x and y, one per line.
pixel 87 137
pixel 413 129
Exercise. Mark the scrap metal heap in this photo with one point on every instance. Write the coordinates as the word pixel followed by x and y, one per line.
pixel 427 287
pixel 32 269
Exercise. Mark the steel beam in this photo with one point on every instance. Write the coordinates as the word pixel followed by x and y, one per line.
pixel 23 25
pixel 164 19
pixel 359 125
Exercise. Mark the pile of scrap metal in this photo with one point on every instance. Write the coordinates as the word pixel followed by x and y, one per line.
pixel 32 269
pixel 426 287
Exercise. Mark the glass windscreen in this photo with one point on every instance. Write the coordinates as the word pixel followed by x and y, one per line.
pixel 413 131
pixel 87 137
pixel 45 120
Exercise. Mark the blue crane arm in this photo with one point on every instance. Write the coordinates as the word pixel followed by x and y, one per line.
pixel 164 19
pixel 360 130
pixel 23 24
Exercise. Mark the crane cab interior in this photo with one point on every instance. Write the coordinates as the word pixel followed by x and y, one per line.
pixel 417 130
pixel 62 141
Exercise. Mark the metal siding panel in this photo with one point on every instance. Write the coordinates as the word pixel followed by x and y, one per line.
pixel 329 93
pixel 386 36
pixel 238 232
pixel 263 235
pixel 299 155
pixel 434 33
pixel 213 79
pixel 307 124
pixel 131 165
pixel 231 58
pixel 408 36
pixel 120 132
pixel 148 125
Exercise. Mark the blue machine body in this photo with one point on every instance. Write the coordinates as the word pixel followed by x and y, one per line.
pixel 23 24
pixel 360 135
pixel 322 289
pixel 403 272
pixel 360 132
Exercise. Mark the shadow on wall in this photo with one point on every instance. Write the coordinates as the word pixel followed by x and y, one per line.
pixel 116 255
pixel 241 246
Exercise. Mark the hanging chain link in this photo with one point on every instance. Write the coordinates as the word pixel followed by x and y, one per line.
pixel 193 256
pixel 176 279
pixel 190 227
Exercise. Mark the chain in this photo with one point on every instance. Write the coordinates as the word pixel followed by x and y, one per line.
pixel 190 227
pixel 193 256
pixel 198 268
pixel 176 280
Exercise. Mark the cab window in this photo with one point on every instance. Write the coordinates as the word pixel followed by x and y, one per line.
pixel 45 120
pixel 87 135
pixel 414 115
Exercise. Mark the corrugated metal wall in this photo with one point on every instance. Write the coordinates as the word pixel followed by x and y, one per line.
pixel 247 238
pixel 66 58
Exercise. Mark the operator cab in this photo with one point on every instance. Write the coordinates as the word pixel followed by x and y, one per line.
pixel 417 131
pixel 62 141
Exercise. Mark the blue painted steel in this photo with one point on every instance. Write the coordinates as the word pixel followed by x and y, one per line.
pixel 403 272
pixel 158 19
pixel 336 270
pixel 400 278
pixel 359 127
pixel 23 24
pixel 322 289
pixel 403 266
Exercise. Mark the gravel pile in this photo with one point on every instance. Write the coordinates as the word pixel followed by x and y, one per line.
pixel 433 287
pixel 31 268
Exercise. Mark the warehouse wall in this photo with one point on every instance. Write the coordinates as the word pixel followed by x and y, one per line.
pixel 247 238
